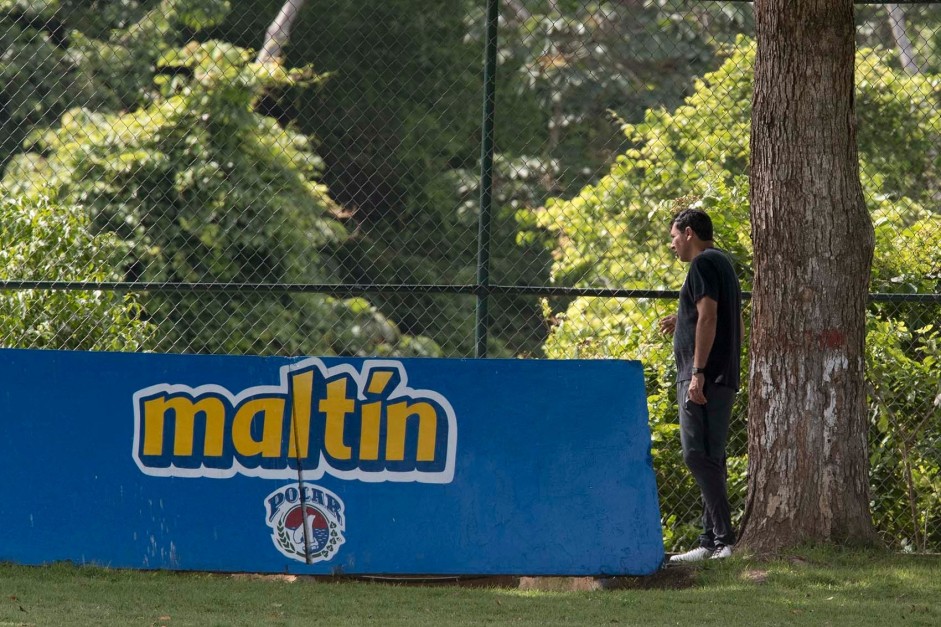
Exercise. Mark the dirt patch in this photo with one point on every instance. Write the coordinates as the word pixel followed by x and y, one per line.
pixel 560 584
pixel 799 561
pixel 755 576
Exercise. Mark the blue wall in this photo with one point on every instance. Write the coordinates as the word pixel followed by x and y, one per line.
pixel 304 465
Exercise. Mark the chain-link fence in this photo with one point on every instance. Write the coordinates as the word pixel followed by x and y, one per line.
pixel 323 177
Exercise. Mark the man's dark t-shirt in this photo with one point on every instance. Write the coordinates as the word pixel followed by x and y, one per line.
pixel 711 274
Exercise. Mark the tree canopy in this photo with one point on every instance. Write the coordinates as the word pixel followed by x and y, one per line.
pixel 202 188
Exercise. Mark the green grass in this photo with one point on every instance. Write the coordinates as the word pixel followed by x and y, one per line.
pixel 816 587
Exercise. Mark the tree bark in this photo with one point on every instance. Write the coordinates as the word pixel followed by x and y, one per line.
pixel 900 33
pixel 813 244
pixel 279 32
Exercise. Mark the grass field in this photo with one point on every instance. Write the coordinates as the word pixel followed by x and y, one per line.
pixel 815 587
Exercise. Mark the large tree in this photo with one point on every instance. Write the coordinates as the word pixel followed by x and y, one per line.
pixel 813 247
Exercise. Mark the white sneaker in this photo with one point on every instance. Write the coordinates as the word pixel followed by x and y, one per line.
pixel 696 555
pixel 721 553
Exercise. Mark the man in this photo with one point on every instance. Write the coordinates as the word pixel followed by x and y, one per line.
pixel 707 343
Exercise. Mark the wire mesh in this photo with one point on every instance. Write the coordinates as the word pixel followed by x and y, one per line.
pixel 303 177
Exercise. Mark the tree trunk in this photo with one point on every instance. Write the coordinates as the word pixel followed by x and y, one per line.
pixel 900 33
pixel 813 244
pixel 279 32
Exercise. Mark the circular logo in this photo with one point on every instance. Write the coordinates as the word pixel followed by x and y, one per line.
pixel 307 522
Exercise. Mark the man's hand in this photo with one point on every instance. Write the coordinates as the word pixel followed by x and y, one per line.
pixel 696 389
pixel 668 324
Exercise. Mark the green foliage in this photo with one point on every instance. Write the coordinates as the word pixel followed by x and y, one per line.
pixel 921 21
pixel 614 233
pixel 44 239
pixel 399 121
pixel 204 189
pixel 399 127
pixel 898 112
pixel 581 60
pixel 201 186
pixel 905 400
pixel 38 8
pixel 35 85
pixel 66 54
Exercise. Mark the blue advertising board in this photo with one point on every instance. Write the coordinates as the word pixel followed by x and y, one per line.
pixel 327 465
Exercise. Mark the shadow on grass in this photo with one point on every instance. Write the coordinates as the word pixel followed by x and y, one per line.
pixel 663 579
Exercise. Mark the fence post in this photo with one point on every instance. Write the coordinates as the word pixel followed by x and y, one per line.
pixel 486 179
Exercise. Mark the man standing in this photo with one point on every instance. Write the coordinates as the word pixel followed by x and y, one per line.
pixel 707 343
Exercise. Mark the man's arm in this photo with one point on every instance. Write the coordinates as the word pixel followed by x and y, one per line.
pixel 705 337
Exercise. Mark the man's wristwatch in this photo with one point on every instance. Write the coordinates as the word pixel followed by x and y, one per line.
pixel 698 371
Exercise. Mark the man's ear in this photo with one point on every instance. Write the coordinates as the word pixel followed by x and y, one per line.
pixel 688 232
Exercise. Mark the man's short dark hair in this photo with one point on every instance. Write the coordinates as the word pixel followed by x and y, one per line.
pixel 696 219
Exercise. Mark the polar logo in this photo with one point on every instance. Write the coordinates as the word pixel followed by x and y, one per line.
pixel 307 522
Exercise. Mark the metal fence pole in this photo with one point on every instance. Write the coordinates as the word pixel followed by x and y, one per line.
pixel 486 179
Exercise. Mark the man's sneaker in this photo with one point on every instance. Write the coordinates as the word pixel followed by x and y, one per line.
pixel 722 552
pixel 696 555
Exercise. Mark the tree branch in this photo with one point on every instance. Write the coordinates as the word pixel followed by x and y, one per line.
pixel 279 32
pixel 906 52
pixel 521 14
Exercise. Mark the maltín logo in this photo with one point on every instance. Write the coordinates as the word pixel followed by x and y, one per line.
pixel 306 521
